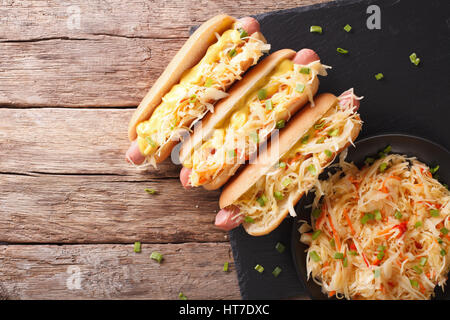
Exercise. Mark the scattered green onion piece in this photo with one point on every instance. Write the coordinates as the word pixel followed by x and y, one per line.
pixel 328 153
pixel 377 273
pixel 137 247
pixel 248 219
pixel 259 268
pixel 434 169
pixel 414 283
pixel 156 256
pixel 269 105
pixel 418 224
pixel 418 269
pixel 369 160
pixel 414 59
pixel 383 167
pixel 262 200
pixel 381 248
pixel 338 255
pixel 193 98
pixel 208 82
pixel 232 53
pixel 387 149
pixel 242 32
pixel 345 262
pixel 316 234
pixel 333 132
pixel 380 255
pixel 352 253
pixel 379 76
pixel 314 256
pixel 150 191
pixel 300 87
pixel 262 94
pixel 182 296
pixel 443 252
pixel 440 241
pixel 378 216
pixel 434 212
pixel 282 164
pixel 348 28
pixel 280 247
pixel 315 29
pixel 312 169
pixel 276 272
pixel 381 154
pixel 280 124
pixel 423 261
pixel 366 218
pixel 278 195
pixel 342 51
pixel 320 125
pixel 398 215
pixel 332 243
pixel 225 266
pixel 316 212
pixel 321 140
pixel 305 70
pixel 305 139
pixel 286 182
pixel 444 231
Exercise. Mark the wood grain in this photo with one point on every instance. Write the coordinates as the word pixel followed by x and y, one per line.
pixel 116 272
pixel 111 60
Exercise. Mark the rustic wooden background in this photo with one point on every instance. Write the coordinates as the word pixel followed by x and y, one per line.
pixel 68 200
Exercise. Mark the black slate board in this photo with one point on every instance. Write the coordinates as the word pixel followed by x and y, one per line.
pixel 412 100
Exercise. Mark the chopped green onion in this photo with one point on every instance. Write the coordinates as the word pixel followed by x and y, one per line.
pixel 348 28
pixel 314 256
pixel 282 164
pixel 276 272
pixel 321 140
pixel 387 149
pixel 182 296
pixel 242 32
pixel 156 256
pixel 444 231
pixel 376 273
pixel 316 212
pixel 381 248
pixel 208 82
pixel 269 105
pixel 320 125
pixel 286 182
pixel 443 252
pixel 434 169
pixel 248 219
pixel 305 70
pixel 434 212
pixel 262 200
pixel 312 169
pixel 316 234
pixel 414 59
pixel 280 247
pixel 262 94
pixel 137 247
pixel 225 266
pixel 414 283
pixel 332 243
pixel 232 53
pixel 352 253
pixel 379 76
pixel 423 261
pixel 381 154
pixel 305 139
pixel 231 153
pixel 150 191
pixel 254 136
pixel 440 241
pixel 280 124
pixel 338 255
pixel 383 167
pixel 366 218
pixel 333 132
pixel 418 224
pixel 369 160
pixel 378 216
pixel 150 142
pixel 342 51
pixel 259 268
pixel 380 255
pixel 315 29
pixel 345 262
pixel 300 87
pixel 398 215
pixel 418 269
pixel 278 195
pixel 193 98
pixel 328 153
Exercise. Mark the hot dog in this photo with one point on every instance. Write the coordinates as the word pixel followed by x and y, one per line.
pixel 264 192
pixel 265 99
pixel 217 54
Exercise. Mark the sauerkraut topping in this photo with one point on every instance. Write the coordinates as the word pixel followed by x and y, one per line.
pixel 198 90
pixel 297 171
pixel 252 120
pixel 380 232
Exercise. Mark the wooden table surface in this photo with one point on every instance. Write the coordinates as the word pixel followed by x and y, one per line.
pixel 70 206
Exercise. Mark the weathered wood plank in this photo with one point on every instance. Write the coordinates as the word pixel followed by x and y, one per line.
pixel 116 272
pixel 104 209
pixel 35 19
pixel 114 56
pixel 70 141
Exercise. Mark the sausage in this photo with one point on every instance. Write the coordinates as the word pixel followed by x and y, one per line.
pixel 184 177
pixel 226 218
pixel 249 24
pixel 305 56
pixel 134 155
pixel 346 97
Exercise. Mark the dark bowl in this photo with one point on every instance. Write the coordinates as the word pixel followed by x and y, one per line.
pixel 424 150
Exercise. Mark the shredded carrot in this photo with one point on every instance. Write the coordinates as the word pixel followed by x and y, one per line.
pixel 331 293
pixel 336 236
pixel 349 221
